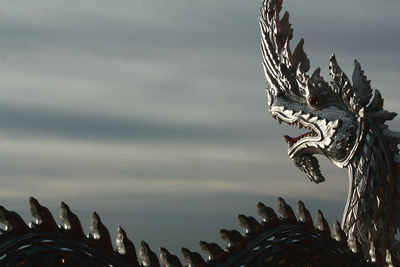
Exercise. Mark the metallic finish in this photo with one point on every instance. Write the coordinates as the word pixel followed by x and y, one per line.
pixel 275 240
pixel 346 123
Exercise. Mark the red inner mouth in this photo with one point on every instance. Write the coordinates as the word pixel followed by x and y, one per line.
pixel 291 141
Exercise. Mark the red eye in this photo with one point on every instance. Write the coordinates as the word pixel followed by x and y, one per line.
pixel 313 101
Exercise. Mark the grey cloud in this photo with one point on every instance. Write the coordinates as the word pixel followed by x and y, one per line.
pixel 193 26
pixel 42 123
pixel 153 112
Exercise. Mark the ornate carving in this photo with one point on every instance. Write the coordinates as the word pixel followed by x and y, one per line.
pixel 276 240
pixel 347 126
pixel 344 122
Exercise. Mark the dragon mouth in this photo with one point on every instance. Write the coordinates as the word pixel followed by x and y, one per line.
pixel 319 134
pixel 292 141
pixel 317 139
pixel 303 141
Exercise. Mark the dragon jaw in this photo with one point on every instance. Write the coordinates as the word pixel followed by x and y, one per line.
pixel 319 137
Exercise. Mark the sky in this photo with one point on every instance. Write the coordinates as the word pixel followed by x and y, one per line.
pixel 153 113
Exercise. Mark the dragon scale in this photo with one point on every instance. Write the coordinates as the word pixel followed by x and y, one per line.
pixel 371 207
pixel 344 121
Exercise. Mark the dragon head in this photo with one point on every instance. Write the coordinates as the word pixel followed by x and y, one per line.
pixel 332 114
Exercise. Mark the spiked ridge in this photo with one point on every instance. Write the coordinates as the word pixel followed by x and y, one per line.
pixel 67 244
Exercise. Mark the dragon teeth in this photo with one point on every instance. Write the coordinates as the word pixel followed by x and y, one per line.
pixel 298 114
pixel 288 112
pixel 306 120
pixel 313 119
pixel 335 123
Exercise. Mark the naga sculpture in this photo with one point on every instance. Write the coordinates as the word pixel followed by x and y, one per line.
pixel 345 122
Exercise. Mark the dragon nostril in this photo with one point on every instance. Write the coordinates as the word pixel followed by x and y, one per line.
pixel 313 101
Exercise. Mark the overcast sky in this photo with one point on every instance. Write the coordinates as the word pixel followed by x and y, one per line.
pixel 152 112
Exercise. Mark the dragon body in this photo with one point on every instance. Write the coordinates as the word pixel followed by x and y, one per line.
pixel 345 121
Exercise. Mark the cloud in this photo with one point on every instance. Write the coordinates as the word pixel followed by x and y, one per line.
pixel 154 111
pixel 41 123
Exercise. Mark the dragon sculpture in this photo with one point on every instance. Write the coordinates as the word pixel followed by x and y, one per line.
pixel 345 122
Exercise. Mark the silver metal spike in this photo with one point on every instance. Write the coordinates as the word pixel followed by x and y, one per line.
pixel 194 259
pixel 44 219
pixel 214 252
pixel 70 221
pixel 234 239
pixel 125 247
pixel 249 223
pixel 148 257
pixel 316 74
pixel 100 232
pixel 321 223
pixel 12 221
pixel 285 210
pixel 267 213
pixel 168 259
pixel 303 214
pixel 338 233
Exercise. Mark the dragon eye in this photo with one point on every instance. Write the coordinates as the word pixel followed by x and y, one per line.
pixel 313 101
